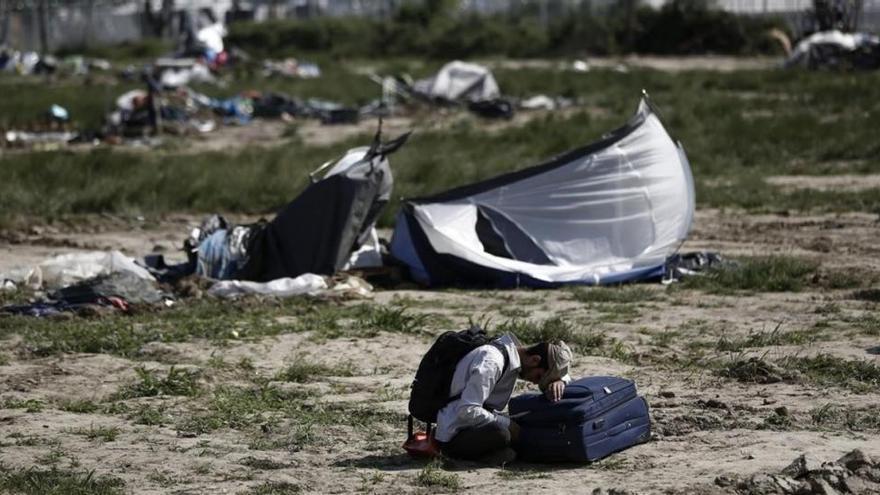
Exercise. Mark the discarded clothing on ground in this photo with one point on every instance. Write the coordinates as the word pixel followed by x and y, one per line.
pixel 124 285
pixel 610 212
pixel 836 50
pixel 117 290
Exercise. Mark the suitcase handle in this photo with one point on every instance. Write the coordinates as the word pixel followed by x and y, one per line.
pixel 622 427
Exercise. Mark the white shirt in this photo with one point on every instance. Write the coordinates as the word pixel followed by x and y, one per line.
pixel 484 389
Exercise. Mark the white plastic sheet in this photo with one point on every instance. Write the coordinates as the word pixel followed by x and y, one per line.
pixel 307 283
pixel 68 269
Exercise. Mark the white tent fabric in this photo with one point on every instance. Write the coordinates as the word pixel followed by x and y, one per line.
pixel 460 81
pixel 621 208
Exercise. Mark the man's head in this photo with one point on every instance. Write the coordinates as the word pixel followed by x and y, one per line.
pixel 545 362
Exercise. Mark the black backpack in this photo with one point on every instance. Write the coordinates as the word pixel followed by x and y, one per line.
pixel 430 388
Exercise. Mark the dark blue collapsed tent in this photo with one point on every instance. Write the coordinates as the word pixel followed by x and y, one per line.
pixel 610 212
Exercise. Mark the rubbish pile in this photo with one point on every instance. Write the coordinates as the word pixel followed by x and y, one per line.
pixel 32 63
pixel 855 472
pixel 836 50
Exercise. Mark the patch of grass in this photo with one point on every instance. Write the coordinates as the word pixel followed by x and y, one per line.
pixel 612 294
pixel 868 325
pixel 775 337
pixel 620 313
pixel 301 370
pixel 513 312
pixel 125 335
pixel 664 338
pixel 296 439
pixel 432 476
pixel 389 319
pixel 103 433
pixel 150 416
pixel 840 280
pixel 556 328
pixel 752 370
pixel 825 369
pixel 81 406
pixel 56 481
pixel 761 274
pixel 176 382
pixel 29 405
pixel 262 464
pixel 835 416
pixel 273 488
pixel 236 407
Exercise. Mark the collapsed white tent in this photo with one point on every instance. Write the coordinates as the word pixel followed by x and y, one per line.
pixel 612 211
pixel 460 81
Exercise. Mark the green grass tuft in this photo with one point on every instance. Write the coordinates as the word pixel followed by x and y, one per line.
pixel 557 328
pixel 177 382
pixel 623 294
pixel 825 369
pixel 55 481
pixel 769 274
pixel 389 319
pixel 81 406
pixel 432 476
pixel 29 405
pixel 273 488
pixel 103 433
pixel 301 370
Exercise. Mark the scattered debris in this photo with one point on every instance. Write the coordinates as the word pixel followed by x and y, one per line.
pixel 836 50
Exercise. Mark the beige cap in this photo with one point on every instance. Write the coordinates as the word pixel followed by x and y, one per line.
pixel 558 360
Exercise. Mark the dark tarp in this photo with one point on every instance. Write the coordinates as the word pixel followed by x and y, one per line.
pixel 317 231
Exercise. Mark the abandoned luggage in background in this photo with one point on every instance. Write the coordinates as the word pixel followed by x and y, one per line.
pixel 597 416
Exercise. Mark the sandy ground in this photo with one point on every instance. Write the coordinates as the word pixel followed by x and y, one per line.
pixel 693 442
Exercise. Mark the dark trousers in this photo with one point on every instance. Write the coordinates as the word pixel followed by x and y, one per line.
pixel 475 443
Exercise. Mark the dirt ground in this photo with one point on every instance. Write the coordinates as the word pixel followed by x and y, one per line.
pixel 705 426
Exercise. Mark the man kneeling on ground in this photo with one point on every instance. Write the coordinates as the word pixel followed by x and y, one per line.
pixel 470 426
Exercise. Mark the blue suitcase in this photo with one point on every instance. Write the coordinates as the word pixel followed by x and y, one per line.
pixel 596 416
